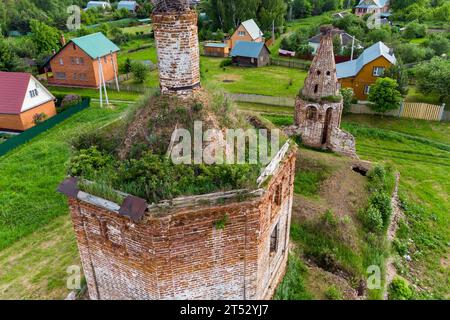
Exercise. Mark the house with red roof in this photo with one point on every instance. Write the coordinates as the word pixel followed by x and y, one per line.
pixel 23 99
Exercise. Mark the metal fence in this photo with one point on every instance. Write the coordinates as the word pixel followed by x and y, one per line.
pixel 29 134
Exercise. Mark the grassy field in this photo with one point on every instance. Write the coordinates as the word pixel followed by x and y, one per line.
pixel 94 93
pixel 37 242
pixel 30 174
pixel 269 80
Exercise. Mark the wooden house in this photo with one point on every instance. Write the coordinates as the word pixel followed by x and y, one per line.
pixel 361 73
pixel 247 31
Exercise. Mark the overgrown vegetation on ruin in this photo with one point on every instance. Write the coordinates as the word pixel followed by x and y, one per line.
pixel 130 154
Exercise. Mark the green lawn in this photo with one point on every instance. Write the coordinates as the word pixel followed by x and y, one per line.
pixel 94 93
pixel 420 151
pixel 132 30
pixel 30 174
pixel 270 80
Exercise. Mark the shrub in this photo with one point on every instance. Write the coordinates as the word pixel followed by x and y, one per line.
pixel 384 95
pixel 329 218
pixel 415 30
pixel 39 118
pixel 399 289
pixel 226 63
pixel 140 72
pixel 347 95
pixel 88 161
pixel 372 219
pixel 69 101
pixel 382 202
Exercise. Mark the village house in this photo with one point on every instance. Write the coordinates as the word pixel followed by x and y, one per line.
pixel 372 6
pixel 361 73
pixel 250 54
pixel 80 62
pixel 345 41
pixel 247 31
pixel 23 99
pixel 213 49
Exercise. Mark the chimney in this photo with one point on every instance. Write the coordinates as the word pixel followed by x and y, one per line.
pixel 62 40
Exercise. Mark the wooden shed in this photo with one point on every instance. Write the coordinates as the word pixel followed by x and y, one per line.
pixel 216 50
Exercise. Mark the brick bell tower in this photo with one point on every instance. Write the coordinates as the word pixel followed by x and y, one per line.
pixel 319 106
pixel 176 36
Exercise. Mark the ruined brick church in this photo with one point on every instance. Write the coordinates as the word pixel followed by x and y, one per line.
pixel 225 245
pixel 319 106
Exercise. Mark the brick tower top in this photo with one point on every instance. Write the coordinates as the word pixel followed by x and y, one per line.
pixel 322 81
pixel 170 5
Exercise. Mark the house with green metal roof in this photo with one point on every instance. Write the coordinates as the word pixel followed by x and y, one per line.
pixel 86 61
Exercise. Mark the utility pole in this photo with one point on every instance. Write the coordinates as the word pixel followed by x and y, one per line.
pixel 115 71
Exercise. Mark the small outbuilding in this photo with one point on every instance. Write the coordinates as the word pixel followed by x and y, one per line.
pixel 23 100
pixel 213 49
pixel 250 54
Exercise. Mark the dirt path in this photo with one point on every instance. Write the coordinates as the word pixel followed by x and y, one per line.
pixel 397 214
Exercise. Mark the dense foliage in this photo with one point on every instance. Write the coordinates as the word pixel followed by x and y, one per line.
pixel 434 77
pixel 384 95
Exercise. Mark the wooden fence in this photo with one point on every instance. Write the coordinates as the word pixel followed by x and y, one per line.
pixel 290 63
pixel 423 111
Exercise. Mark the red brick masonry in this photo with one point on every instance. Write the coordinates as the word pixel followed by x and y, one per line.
pixel 180 253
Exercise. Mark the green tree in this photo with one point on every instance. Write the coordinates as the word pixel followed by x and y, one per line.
pixel 348 96
pixel 399 74
pixel 438 43
pixel 384 95
pixel 45 37
pixel 8 59
pixel 301 8
pixel 140 72
pixel 415 30
pixel 434 77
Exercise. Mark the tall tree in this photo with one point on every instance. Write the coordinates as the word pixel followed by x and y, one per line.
pixel 434 77
pixel 45 37
pixel 271 11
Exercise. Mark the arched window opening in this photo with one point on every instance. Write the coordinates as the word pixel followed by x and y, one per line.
pixel 318 72
pixel 328 73
pixel 316 88
pixel 311 113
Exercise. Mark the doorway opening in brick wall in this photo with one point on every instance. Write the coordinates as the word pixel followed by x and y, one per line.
pixel 326 126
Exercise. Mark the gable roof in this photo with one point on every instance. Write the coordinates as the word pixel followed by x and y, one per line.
pixel 252 29
pixel 346 39
pixel 95 45
pixel 372 3
pixel 247 49
pixel 353 67
pixel 13 87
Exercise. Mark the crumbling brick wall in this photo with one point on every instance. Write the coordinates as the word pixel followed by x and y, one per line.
pixel 178 50
pixel 180 253
pixel 318 109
